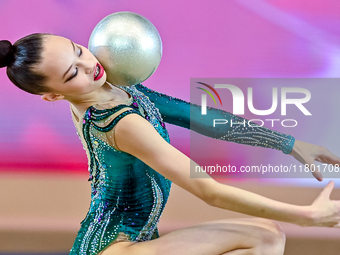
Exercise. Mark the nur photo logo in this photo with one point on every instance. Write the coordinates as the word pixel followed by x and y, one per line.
pixel 204 97
pixel 239 100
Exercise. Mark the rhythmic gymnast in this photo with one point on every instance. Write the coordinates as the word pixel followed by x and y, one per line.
pixel 132 164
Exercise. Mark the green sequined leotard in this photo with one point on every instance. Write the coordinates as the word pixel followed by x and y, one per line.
pixel 128 197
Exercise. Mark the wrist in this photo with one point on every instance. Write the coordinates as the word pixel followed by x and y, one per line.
pixel 296 151
pixel 293 149
pixel 307 218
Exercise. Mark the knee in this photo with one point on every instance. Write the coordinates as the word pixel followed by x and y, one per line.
pixel 271 225
pixel 275 235
pixel 272 241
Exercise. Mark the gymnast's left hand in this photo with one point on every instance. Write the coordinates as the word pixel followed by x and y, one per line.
pixel 307 153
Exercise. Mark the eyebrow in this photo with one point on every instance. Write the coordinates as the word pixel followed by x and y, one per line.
pixel 74 49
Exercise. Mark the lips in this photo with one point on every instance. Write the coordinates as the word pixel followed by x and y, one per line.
pixel 98 72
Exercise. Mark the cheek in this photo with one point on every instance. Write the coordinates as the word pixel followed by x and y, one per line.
pixel 82 85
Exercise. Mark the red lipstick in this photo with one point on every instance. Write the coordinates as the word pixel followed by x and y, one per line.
pixel 99 75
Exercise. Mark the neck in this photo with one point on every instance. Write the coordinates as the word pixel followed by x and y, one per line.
pixel 102 94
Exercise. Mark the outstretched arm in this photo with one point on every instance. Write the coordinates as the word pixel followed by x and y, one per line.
pixel 181 113
pixel 136 136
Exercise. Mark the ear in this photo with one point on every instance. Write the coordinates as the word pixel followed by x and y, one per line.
pixel 51 97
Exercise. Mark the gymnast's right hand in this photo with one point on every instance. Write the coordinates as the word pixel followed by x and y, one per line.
pixel 325 212
pixel 307 153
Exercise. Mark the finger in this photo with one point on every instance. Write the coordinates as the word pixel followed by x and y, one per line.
pixel 315 171
pixel 318 175
pixel 328 157
pixel 326 192
pixel 319 159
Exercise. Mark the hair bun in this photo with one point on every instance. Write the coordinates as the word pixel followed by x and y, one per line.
pixel 6 55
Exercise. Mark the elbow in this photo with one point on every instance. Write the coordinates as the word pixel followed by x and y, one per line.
pixel 211 200
pixel 210 197
pixel 207 190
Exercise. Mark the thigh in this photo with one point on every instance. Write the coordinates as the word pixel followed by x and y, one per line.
pixel 213 238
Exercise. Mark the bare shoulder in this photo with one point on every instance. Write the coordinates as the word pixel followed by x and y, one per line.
pixel 137 136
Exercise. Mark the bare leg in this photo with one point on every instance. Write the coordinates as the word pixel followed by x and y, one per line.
pixel 244 236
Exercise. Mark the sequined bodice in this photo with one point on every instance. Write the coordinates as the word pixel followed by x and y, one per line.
pixel 127 195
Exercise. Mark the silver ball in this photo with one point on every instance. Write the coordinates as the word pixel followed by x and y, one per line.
pixel 128 46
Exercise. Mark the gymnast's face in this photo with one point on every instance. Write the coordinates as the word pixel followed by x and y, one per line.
pixel 72 70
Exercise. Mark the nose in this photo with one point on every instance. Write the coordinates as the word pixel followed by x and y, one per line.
pixel 87 65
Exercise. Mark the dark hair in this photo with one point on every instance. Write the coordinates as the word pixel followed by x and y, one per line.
pixel 20 59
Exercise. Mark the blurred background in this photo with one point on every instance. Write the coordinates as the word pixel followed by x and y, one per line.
pixel 44 192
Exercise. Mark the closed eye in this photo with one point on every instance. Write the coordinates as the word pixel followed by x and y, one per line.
pixel 74 74
pixel 80 51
